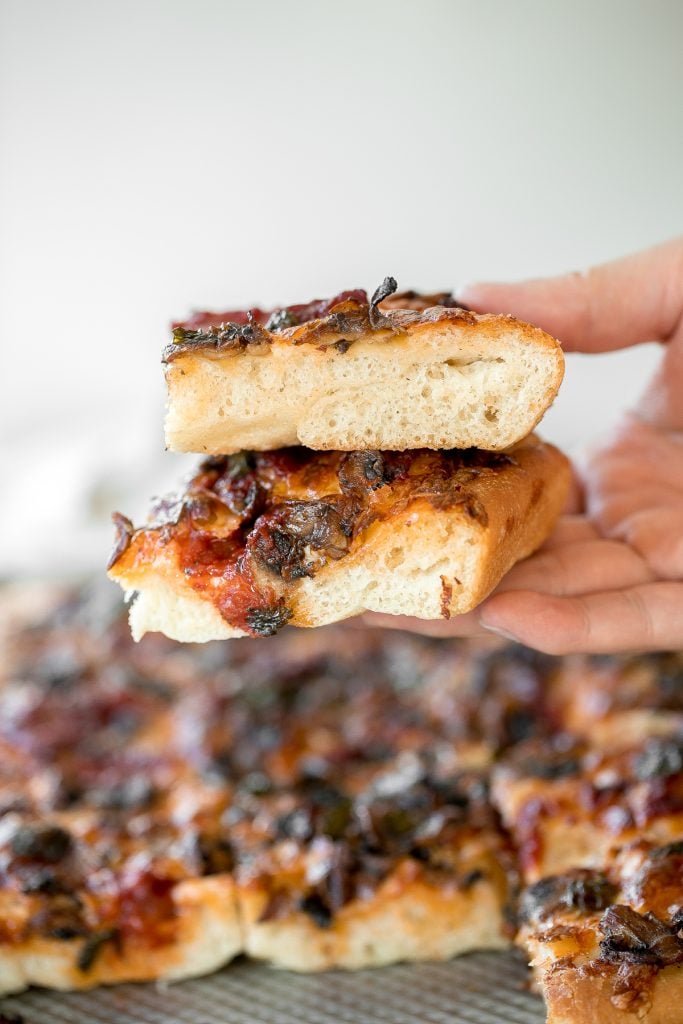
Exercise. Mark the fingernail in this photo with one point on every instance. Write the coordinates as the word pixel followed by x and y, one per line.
pixel 465 290
pixel 503 632
pixel 498 630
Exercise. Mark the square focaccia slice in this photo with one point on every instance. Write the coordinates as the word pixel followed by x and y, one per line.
pixel 360 826
pixel 399 372
pixel 568 804
pixel 607 946
pixel 260 540
pixel 400 866
pixel 111 865
pixel 94 895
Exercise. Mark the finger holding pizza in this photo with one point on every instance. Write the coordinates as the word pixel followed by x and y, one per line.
pixel 610 578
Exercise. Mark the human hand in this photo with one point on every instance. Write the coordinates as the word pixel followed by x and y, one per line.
pixel 610 578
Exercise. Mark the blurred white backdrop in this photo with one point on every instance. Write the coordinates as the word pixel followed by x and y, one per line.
pixel 159 156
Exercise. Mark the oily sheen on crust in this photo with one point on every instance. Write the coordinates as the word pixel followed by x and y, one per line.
pixel 261 540
pixel 393 372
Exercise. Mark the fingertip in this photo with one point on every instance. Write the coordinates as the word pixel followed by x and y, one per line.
pixel 483 296
pixel 536 620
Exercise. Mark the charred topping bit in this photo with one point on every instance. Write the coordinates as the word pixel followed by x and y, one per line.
pixel 420 301
pixel 350 312
pixel 638 938
pixel 47 843
pixel 92 947
pixel 61 917
pixel 583 891
pixel 267 621
pixel 224 337
pixel 314 907
pixel 42 880
pixel 359 471
pixel 295 316
pixel 475 458
pixel 215 853
pixel 224 332
pixel 358 841
pixel 668 850
pixel 296 824
pixel 471 878
pixel 281 539
pixel 509 694
pixel 378 320
pixel 280 319
pixel 661 757
pixel 123 533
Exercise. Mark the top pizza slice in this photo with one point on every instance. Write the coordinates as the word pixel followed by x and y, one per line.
pixel 390 372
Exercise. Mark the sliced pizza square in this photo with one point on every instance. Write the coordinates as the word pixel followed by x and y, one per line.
pixel 259 540
pixel 396 371
pixel 607 945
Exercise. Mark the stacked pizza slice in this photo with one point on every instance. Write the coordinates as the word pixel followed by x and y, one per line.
pixel 359 454
pixel 342 797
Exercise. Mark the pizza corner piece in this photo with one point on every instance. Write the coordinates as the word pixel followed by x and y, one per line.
pixel 261 539
pixel 606 945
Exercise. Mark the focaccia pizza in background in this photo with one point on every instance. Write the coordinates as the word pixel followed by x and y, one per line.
pixel 323 799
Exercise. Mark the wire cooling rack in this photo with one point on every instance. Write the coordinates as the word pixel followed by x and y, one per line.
pixel 482 988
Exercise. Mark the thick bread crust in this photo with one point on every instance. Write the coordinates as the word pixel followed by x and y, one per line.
pixel 575 995
pixel 422 560
pixel 398 922
pixel 208 936
pixel 604 944
pixel 442 378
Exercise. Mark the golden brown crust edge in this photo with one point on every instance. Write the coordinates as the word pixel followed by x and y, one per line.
pixel 574 995
pixel 332 329
pixel 400 922
pixel 208 935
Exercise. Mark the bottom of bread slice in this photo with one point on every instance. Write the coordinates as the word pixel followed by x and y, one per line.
pixel 206 935
pixel 331 534
pixel 606 945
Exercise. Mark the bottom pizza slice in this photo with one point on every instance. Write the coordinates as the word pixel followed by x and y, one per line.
pixel 261 539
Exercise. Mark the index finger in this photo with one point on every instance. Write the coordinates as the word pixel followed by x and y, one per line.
pixel 615 305
pixel 646 617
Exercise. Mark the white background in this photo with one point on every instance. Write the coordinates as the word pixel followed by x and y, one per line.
pixel 158 156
